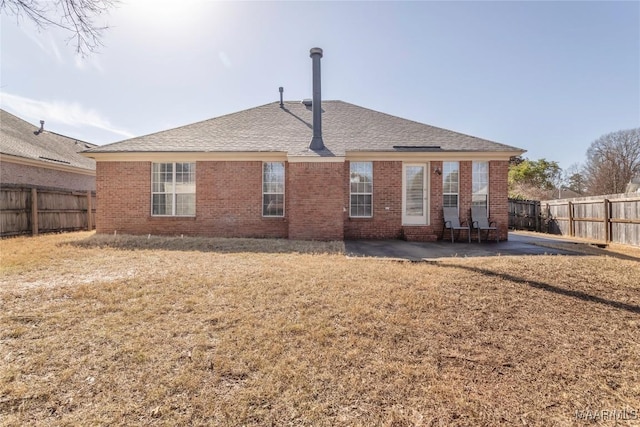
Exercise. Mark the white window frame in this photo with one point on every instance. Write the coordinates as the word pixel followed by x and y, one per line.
pixel 447 169
pixel 356 168
pixel 266 192
pixel 175 189
pixel 477 184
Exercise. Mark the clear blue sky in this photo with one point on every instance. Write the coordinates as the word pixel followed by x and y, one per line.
pixel 549 77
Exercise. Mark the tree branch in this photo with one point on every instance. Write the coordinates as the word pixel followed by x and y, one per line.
pixel 74 16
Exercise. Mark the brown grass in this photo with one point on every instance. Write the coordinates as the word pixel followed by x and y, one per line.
pixel 144 331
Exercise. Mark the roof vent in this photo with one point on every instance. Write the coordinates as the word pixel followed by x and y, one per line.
pixel 417 147
pixel 281 90
pixel 307 102
pixel 39 131
pixel 53 160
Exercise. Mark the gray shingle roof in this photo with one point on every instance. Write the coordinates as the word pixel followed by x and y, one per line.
pixel 17 138
pixel 269 128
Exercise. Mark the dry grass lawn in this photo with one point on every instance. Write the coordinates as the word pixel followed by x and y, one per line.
pixel 97 330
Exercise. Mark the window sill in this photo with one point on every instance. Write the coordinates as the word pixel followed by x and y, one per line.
pixel 173 217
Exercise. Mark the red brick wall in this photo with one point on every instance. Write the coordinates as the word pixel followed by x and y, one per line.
pixel 435 201
pixel 386 222
pixel 498 193
pixel 14 173
pixel 387 193
pixel 228 202
pixel 316 200
pixel 123 197
pixel 498 196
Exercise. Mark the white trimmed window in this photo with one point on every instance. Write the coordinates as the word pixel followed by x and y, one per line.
pixel 361 190
pixel 273 189
pixel 450 184
pixel 173 189
pixel 480 184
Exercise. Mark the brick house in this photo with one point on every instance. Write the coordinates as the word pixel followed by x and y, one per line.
pixel 35 157
pixel 321 170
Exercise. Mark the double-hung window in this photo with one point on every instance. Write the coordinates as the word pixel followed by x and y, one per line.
pixel 450 184
pixel 480 184
pixel 173 189
pixel 273 189
pixel 361 191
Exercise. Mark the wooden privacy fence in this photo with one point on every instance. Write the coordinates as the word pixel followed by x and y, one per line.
pixel 525 215
pixel 33 210
pixel 612 218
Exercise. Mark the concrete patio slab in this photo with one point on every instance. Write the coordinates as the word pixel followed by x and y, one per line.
pixel 418 251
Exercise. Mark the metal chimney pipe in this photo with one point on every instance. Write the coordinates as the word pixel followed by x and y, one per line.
pixel 281 89
pixel 316 141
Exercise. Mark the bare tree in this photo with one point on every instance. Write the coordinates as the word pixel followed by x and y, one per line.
pixel 74 16
pixel 574 179
pixel 612 161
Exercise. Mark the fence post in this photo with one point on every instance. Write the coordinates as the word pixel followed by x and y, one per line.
pixel 89 211
pixel 571 224
pixel 607 221
pixel 34 212
pixel 547 214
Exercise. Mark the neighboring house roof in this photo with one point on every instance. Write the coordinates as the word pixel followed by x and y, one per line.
pixel 634 185
pixel 17 139
pixel 270 128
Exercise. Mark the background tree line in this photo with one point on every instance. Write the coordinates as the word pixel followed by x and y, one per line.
pixel 612 166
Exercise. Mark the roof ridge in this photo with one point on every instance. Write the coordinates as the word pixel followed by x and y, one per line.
pixel 71 137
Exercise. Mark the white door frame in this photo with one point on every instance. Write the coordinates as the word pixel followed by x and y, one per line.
pixel 416 219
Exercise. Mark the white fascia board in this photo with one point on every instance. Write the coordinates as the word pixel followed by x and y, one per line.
pixel 282 156
pixel 198 156
pixel 46 165
pixel 315 159
pixel 427 156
